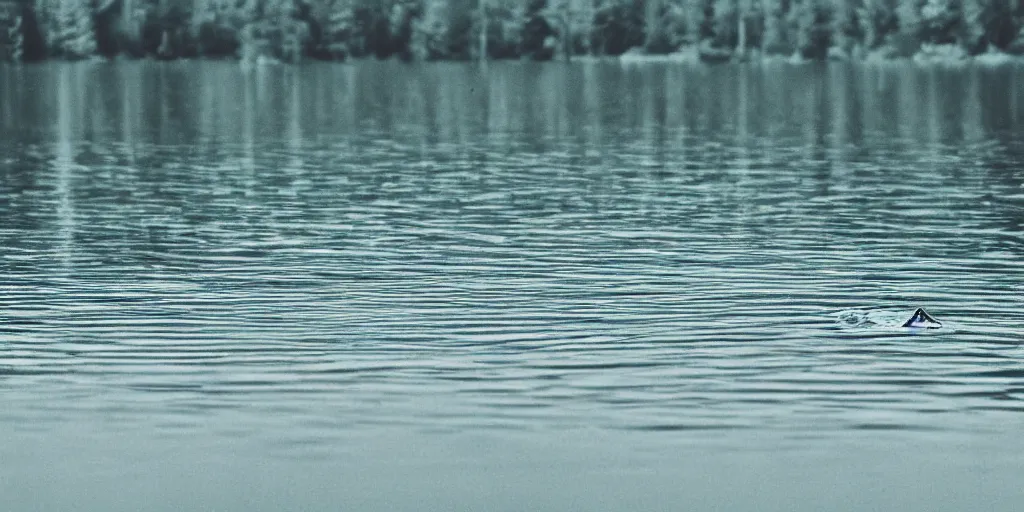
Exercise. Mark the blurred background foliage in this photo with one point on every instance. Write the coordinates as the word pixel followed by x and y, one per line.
pixel 291 30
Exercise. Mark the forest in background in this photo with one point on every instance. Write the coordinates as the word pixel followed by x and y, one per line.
pixel 292 30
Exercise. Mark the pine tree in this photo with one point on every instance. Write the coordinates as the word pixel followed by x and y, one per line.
pixel 990 23
pixel 331 28
pixel 908 15
pixel 429 32
pixel 68 28
pixel 879 21
pixel 847 26
pixel 618 26
pixel 774 40
pixel 813 20
pixel 726 14
pixel 215 27
pixel 938 21
pixel 536 31
pixel 742 11
pixel 670 28
pixel 271 29
pixel 11 37
pixel 133 16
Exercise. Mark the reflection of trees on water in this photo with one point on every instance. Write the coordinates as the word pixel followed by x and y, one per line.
pixel 614 125
pixel 588 103
pixel 69 119
pixel 8 106
pixel 250 113
pixel 295 135
pixel 130 78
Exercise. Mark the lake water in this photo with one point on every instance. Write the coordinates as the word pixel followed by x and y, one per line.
pixel 586 286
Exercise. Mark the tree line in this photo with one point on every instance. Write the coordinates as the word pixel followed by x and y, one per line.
pixel 291 30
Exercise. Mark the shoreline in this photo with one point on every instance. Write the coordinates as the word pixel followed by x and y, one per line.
pixel 926 58
pixel 917 62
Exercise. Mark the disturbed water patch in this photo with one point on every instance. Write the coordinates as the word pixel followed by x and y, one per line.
pixel 910 320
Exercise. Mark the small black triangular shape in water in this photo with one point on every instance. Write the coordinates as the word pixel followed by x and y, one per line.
pixel 922 319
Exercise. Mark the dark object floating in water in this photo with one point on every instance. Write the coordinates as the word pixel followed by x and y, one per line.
pixel 922 319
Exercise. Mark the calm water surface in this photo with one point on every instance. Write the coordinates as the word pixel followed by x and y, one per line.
pixel 595 286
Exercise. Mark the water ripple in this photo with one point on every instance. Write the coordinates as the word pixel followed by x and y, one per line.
pixel 680 281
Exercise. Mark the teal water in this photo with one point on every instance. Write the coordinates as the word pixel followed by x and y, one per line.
pixel 587 286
